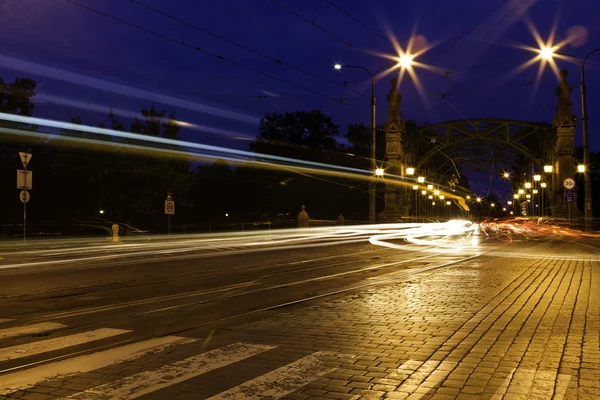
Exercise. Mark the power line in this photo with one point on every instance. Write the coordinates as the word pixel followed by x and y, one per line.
pixel 241 46
pixel 160 35
pixel 358 21
pixel 313 23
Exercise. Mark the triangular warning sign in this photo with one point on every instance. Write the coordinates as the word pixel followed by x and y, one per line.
pixel 25 157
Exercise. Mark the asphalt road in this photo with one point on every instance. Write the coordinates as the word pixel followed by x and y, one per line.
pixel 195 286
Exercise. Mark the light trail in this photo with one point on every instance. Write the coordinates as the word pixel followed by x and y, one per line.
pixel 108 86
pixel 237 157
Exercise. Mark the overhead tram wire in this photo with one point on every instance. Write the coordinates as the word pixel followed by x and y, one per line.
pixel 319 27
pixel 198 49
pixel 358 21
pixel 241 46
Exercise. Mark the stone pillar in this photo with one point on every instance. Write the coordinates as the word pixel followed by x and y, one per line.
pixel 564 165
pixel 395 127
pixel 302 219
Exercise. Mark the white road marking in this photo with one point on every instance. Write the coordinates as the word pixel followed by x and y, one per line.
pixel 23 379
pixel 284 380
pixel 29 329
pixel 146 382
pixel 43 346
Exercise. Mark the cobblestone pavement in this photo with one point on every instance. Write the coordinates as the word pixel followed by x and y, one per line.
pixel 489 328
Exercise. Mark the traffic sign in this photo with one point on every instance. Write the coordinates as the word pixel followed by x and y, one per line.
pixel 25 157
pixel 24 196
pixel 24 179
pixel 169 207
pixel 569 183
pixel 569 196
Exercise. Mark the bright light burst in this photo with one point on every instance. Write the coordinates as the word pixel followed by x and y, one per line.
pixel 546 52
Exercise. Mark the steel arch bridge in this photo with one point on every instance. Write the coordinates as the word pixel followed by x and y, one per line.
pixel 465 142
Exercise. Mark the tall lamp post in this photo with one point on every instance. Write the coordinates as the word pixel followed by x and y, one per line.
pixel 548 53
pixel 372 185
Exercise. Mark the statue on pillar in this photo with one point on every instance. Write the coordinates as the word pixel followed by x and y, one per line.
pixel 564 109
pixel 395 204
pixel 394 99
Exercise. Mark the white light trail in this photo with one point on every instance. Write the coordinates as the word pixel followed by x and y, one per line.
pixel 107 86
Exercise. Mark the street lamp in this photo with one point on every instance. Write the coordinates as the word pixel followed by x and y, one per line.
pixel 548 169
pixel 379 172
pixel 429 187
pixel 537 178
pixel 527 185
pixel 516 196
pixel 101 211
pixel 410 171
pixel 521 191
pixel 581 168
pixel 372 194
pixel 506 175
pixel 421 179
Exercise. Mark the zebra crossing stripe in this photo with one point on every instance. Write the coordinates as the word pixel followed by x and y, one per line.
pixel 146 382
pixel 16 331
pixel 43 346
pixel 286 379
pixel 23 379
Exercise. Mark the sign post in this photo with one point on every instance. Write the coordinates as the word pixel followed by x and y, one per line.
pixel 569 194
pixel 169 210
pixel 24 182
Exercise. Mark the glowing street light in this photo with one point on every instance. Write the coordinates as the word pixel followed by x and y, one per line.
pixel 509 202
pixel 423 192
pixel 421 179
pixel 101 211
pixel 527 185
pixel 337 66
pixel 406 60
pixel 379 172
pixel 506 175
pixel 581 168
pixel 415 187
pixel 448 203
pixel 430 197
pixel 442 197
pixel 548 169
pixel 410 171
pixel 479 199
pixel 493 205
pixel 528 196
pixel 535 191
pixel 543 184
pixel 503 208
pixel 537 178
pixel 436 192
pixel 468 197
pixel 515 196
pixel 429 187
pixel 521 191
pixel 547 52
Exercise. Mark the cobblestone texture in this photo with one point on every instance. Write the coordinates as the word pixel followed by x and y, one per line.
pixel 492 328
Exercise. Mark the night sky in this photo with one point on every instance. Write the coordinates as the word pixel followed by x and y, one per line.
pixel 475 40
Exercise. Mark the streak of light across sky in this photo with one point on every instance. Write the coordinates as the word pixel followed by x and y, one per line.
pixel 238 157
pixel 104 85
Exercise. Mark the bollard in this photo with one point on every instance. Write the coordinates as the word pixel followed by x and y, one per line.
pixel 115 231
pixel 302 219
pixel 340 220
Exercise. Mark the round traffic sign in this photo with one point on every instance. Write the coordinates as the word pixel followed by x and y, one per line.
pixel 569 183
pixel 24 196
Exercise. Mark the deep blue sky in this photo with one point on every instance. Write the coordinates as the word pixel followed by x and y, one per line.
pixel 474 41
